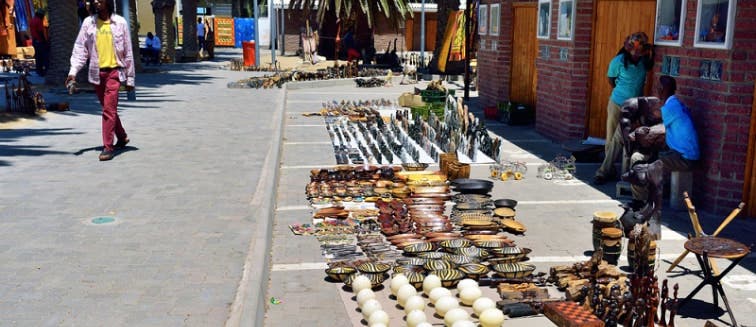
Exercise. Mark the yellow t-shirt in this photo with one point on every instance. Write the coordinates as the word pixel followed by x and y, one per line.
pixel 105 48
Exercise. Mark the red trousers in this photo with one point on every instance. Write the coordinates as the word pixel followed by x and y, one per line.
pixel 107 93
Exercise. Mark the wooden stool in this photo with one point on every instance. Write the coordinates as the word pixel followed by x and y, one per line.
pixel 699 230
pixel 715 247
pixel 679 182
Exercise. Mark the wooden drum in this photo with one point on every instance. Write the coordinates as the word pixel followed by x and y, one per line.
pixel 601 220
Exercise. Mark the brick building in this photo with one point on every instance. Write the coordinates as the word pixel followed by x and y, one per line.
pixel 553 54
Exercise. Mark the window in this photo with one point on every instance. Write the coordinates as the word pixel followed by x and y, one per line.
pixel 714 24
pixel 566 24
pixel 670 15
pixel 483 20
pixel 544 19
pixel 493 27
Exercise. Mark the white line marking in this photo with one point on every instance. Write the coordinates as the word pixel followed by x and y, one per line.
pixel 299 266
pixel 742 282
pixel 307 143
pixel 292 208
pixel 752 300
pixel 308 166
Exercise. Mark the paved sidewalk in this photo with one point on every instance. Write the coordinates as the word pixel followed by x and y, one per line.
pixel 182 194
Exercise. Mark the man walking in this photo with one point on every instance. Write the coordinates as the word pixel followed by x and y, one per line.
pixel 105 41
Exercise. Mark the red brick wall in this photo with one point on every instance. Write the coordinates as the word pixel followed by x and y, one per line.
pixel 721 109
pixel 563 84
pixel 494 64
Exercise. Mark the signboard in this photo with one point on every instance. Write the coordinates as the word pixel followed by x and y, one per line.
pixel 224 31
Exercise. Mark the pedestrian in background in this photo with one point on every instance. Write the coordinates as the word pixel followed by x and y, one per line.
pixel 40 41
pixel 626 75
pixel 200 35
pixel 104 41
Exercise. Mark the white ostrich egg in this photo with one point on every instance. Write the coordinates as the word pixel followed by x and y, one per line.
pixel 446 303
pixel 360 283
pixel 481 304
pixel 370 306
pixel 455 315
pixel 438 293
pixel 491 318
pixel 378 317
pixel 414 302
pixel 424 324
pixel 398 281
pixel 415 318
pixel 365 295
pixel 430 282
pixel 465 283
pixel 470 294
pixel 404 293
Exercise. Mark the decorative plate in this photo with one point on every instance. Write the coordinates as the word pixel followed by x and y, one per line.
pixel 374 267
pixel 455 243
pixel 472 252
pixel 459 259
pixel 419 247
pixel 449 277
pixel 431 255
pixel 513 270
pixel 438 265
pixel 340 273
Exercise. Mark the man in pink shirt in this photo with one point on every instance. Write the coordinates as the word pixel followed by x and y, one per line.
pixel 105 41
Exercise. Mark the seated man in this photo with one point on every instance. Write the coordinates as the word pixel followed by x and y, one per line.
pixel 152 48
pixel 681 151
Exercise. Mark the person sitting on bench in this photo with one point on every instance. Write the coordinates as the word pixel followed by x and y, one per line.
pixel 152 48
pixel 681 153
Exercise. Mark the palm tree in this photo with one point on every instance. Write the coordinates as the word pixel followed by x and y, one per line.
pixel 189 45
pixel 164 28
pixel 64 27
pixel 134 26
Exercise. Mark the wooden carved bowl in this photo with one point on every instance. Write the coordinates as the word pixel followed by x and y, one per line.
pixel 472 252
pixel 340 273
pixel 373 267
pixel 409 242
pixel 411 261
pixel 415 279
pixel 449 277
pixel 403 236
pixel 481 237
pixel 440 264
pixel 474 270
pixel 442 234
pixel 414 166
pixel 431 255
pixel 513 270
pixel 405 269
pixel 419 247
pixel 450 245
pixel 510 251
pixel 493 244
pixel 458 259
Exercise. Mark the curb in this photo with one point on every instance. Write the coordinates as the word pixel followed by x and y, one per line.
pixel 248 308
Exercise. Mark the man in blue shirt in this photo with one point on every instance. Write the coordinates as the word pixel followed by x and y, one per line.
pixel 681 153
pixel 626 75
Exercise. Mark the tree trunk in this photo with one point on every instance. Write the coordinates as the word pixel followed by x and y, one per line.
pixel 236 8
pixel 134 26
pixel 165 30
pixel 189 45
pixel 64 27
pixel 444 7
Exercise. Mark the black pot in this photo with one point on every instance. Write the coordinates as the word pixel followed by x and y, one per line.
pixel 464 181
pixel 473 188
pixel 505 203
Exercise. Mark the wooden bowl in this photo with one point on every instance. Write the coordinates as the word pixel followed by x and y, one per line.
pixel 415 279
pixel 449 277
pixel 340 273
pixel 431 255
pixel 472 252
pixel 450 245
pixel 419 247
pixel 474 270
pixel 375 279
pixel 373 268
pixel 459 259
pixel 440 264
pixel 513 270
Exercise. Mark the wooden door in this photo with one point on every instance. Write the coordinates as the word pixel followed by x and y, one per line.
pixel 749 188
pixel 613 22
pixel 524 52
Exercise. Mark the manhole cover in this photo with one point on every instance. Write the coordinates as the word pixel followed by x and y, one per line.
pixel 103 220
